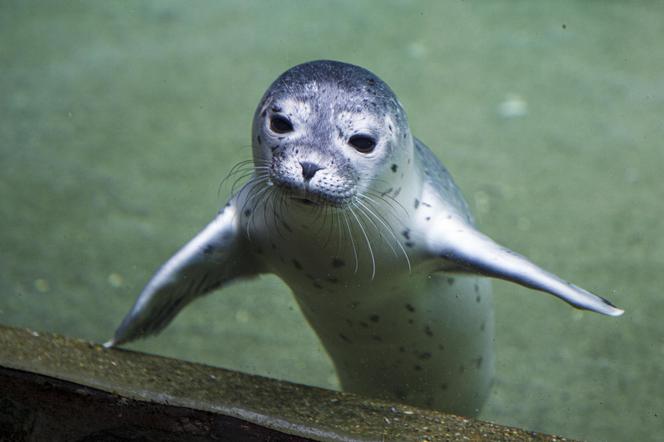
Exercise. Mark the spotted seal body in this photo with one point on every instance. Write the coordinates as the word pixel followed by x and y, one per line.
pixel 371 234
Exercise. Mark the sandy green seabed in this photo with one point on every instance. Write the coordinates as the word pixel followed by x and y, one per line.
pixel 118 121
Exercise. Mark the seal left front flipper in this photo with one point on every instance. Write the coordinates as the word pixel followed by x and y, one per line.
pixel 216 256
pixel 461 248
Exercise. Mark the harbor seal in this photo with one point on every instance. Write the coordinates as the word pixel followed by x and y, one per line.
pixel 372 235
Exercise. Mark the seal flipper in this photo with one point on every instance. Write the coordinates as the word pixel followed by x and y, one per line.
pixel 214 257
pixel 462 248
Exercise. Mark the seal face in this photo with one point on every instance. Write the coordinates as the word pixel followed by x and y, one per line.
pixel 325 130
pixel 372 235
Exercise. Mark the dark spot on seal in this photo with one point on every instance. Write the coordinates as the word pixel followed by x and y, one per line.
pixel 286 226
pixel 208 250
pixel 426 204
pixel 441 347
pixel 317 285
pixel 478 298
pixel 429 402
pixel 417 203
pixel 374 318
pixel 274 246
pixel 345 338
pixel 402 349
pixel 364 324
pixel 410 321
pixel 478 362
pixel 386 192
pixel 336 263
pixel 376 338
pixel 258 139
pixel 477 288
pixel 349 322
pixel 410 308
pixel 397 192
pixel 258 251
pixel 394 168
pixel 297 264
pixel 409 243
pixel 417 367
pixel 443 387
pixel 425 355
pixel 450 281
pixel 406 233
pixel 462 368
pixel 483 326
pixel 332 279
pixel 428 218
pixel 247 212
pixel 428 331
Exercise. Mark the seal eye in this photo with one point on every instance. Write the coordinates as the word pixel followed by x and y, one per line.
pixel 280 125
pixel 362 143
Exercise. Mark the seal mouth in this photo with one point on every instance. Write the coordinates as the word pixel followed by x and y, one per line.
pixel 315 200
pixel 306 195
pixel 306 201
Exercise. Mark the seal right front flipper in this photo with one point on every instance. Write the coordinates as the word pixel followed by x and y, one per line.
pixel 214 257
pixel 461 248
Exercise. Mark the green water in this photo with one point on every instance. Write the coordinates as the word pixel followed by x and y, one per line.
pixel 118 121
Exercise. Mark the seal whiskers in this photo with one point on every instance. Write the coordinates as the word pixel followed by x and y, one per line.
pixel 367 241
pixel 352 242
pixel 388 228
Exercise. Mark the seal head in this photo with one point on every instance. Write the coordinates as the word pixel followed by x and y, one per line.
pixel 326 130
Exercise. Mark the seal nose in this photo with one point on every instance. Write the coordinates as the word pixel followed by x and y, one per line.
pixel 309 169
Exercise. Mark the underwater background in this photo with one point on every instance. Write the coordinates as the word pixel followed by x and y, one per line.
pixel 118 122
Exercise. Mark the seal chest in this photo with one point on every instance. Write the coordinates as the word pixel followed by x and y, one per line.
pixel 372 235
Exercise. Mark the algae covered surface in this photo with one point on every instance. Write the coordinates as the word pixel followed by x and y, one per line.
pixel 118 122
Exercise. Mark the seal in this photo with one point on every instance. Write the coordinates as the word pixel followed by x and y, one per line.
pixel 372 235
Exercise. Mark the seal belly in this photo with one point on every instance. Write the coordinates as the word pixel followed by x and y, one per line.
pixel 426 341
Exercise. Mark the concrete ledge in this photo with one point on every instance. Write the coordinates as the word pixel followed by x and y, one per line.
pixel 56 388
pixel 34 407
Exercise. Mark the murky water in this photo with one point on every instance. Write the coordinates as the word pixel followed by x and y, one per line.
pixel 118 122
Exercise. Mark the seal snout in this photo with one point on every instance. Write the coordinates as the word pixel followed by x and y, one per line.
pixel 309 169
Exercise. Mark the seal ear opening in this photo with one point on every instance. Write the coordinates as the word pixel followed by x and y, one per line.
pixel 464 249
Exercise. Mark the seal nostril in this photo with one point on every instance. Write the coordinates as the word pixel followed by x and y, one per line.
pixel 309 169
